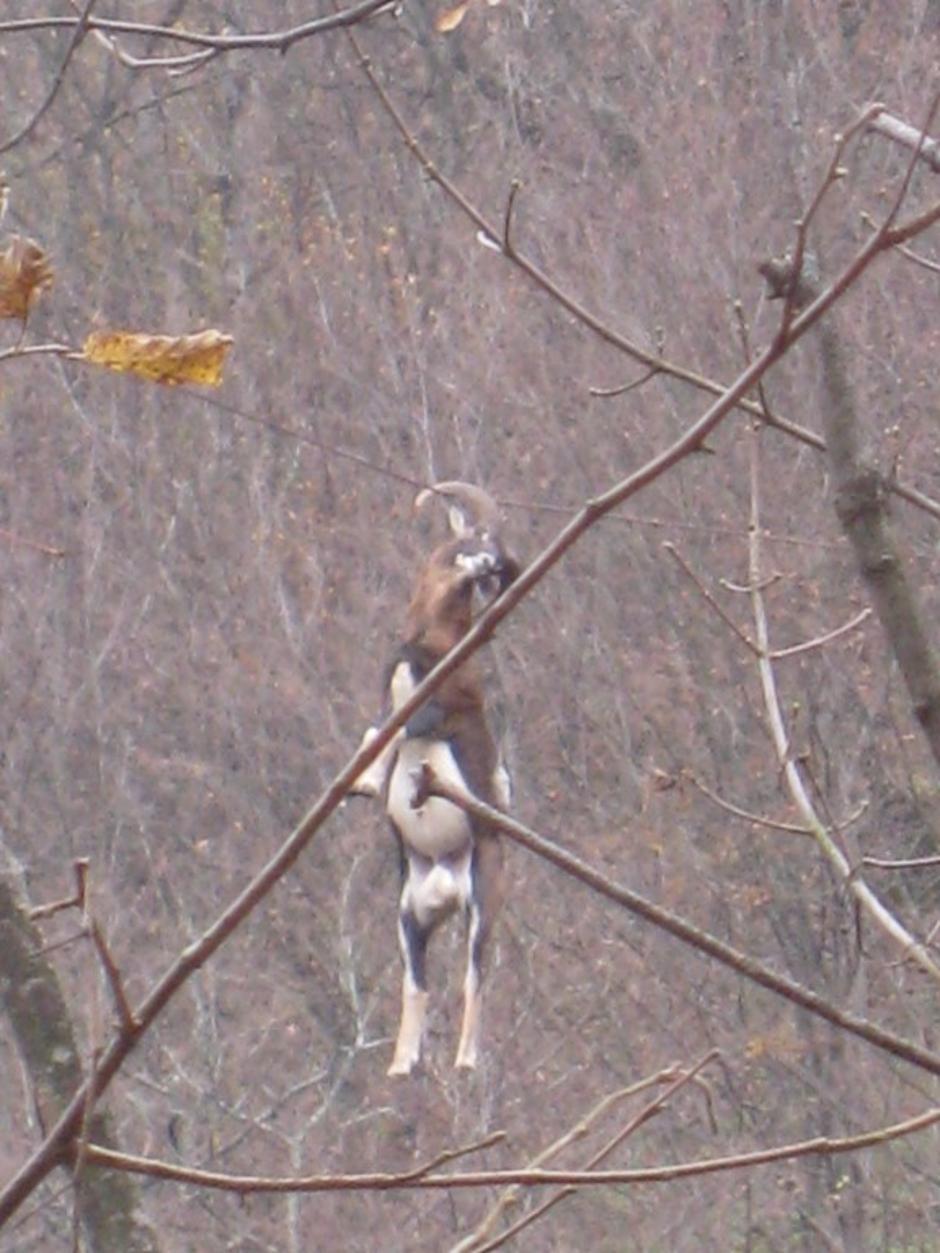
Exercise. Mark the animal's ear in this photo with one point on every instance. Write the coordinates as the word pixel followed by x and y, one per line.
pixel 470 510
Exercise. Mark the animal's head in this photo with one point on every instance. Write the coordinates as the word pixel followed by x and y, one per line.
pixel 473 564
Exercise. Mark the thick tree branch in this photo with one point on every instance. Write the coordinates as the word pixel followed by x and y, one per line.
pixel 538 1177
pixel 40 1023
pixel 861 503
pixel 682 930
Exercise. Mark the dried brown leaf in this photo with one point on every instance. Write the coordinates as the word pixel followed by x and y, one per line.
pixel 25 271
pixel 450 19
pixel 167 359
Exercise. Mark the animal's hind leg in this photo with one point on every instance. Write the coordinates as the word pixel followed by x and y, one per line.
pixel 414 996
pixel 467 1048
pixel 485 900
pixel 478 930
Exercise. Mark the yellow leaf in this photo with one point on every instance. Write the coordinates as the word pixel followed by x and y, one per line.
pixel 161 358
pixel 450 19
pixel 24 273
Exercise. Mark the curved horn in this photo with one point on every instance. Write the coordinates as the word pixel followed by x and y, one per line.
pixel 472 508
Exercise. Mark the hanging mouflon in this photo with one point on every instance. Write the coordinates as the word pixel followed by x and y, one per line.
pixel 448 858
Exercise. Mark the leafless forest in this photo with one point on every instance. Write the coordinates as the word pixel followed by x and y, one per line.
pixel 523 244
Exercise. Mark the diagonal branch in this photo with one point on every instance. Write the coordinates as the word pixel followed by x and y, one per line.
pixel 774 824
pixel 655 364
pixel 642 1116
pixel 55 1147
pixel 471 1242
pixel 680 929
pixel 81 25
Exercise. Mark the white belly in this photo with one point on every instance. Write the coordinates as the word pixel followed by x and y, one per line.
pixel 437 828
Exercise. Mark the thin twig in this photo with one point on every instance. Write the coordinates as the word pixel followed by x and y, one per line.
pixel 745 337
pixel 774 824
pixel 818 642
pixel 507 220
pixel 900 234
pixel 903 863
pixel 75 901
pixel 924 262
pixel 707 596
pixel 909 253
pixel 113 975
pixel 81 25
pixel 37 350
pixel 650 1110
pixel 578 1131
pixel 793 294
pixel 624 388
pixel 83 891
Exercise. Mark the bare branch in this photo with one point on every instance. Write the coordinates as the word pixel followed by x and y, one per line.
pixel 656 364
pixel 383 1182
pixel 113 975
pixel 794 290
pixel 51 1151
pixel 471 1243
pixel 925 149
pixel 820 640
pixel 707 596
pixel 774 824
pixel 37 350
pixel 624 388
pixel 274 41
pixel 677 1081
pixel 903 863
pixel 75 901
pixel 81 26
pixel 682 930
pixel 873 906
pixel 924 262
